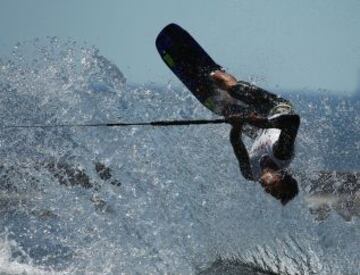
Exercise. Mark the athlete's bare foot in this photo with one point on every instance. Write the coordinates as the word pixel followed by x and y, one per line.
pixel 223 80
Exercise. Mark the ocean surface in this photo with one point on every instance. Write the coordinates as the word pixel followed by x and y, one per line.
pixel 160 200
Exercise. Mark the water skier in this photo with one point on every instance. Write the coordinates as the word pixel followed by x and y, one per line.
pixel 273 149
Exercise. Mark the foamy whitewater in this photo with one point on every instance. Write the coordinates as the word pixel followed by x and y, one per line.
pixel 157 200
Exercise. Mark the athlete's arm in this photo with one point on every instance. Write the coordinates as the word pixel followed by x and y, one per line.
pixel 284 147
pixel 241 153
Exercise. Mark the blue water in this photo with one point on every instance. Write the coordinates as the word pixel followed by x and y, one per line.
pixel 181 205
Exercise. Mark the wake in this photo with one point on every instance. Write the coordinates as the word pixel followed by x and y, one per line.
pixel 159 200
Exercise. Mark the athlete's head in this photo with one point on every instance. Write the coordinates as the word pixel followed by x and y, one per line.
pixel 280 185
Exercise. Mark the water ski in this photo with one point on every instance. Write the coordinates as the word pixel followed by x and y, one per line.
pixel 192 65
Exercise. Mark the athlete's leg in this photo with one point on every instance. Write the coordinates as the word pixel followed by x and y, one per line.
pixel 262 100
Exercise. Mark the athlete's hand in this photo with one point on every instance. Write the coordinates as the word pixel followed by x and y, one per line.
pixel 235 120
pixel 223 80
pixel 253 117
pixel 257 120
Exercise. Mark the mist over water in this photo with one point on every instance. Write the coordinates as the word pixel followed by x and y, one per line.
pixel 173 200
